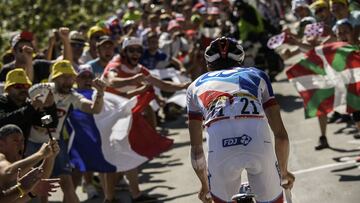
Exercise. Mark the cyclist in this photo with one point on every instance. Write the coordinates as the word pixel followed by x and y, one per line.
pixel 235 105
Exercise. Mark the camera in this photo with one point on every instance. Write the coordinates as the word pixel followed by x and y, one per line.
pixel 46 120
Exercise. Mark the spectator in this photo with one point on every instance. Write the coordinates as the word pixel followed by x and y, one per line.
pixel 250 22
pixel 126 72
pixel 322 13
pixel 93 36
pixel 37 70
pixel 344 33
pixel 153 27
pixel 152 55
pixel 77 41
pixel 105 51
pixel 84 87
pixel 21 45
pixel 24 185
pixel 63 75
pixel 173 42
pixel 132 13
pixel 300 8
pixel 15 108
pixel 11 150
pixel 340 9
pixel 211 26
pixel 61 35
pixel 164 22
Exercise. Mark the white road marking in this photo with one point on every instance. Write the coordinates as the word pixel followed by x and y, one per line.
pixel 354 142
pixel 324 167
pixel 295 142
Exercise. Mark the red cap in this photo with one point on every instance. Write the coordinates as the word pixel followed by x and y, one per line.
pixel 24 35
pixel 198 6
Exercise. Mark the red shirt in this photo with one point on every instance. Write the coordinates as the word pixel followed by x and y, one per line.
pixel 123 71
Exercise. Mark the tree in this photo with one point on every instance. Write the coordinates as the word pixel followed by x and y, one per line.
pixel 40 16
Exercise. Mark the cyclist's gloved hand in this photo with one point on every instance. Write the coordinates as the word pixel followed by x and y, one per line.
pixel 287 180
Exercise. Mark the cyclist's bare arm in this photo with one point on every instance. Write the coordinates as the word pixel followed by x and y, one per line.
pixel 198 157
pixel 281 143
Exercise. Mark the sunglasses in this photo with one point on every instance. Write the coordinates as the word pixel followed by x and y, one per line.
pixel 86 75
pixel 133 50
pixel 97 38
pixel 77 45
pixel 21 86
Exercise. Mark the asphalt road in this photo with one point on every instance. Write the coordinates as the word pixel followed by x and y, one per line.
pixel 327 176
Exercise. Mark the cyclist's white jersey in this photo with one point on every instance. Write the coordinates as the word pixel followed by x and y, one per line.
pixel 234 93
pixel 231 103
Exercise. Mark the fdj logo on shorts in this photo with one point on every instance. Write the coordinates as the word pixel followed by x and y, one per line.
pixel 243 140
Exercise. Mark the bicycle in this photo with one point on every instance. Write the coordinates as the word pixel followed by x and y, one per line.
pixel 247 196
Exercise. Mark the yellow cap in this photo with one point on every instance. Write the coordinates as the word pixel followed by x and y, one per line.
pixel 93 30
pixel 319 4
pixel 345 2
pixel 16 76
pixel 62 67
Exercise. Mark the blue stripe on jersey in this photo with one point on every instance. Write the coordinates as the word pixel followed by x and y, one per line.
pixel 249 82
pixel 230 76
pixel 247 78
pixel 265 77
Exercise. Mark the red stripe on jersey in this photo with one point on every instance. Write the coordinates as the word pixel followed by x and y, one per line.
pixel 209 96
pixel 280 199
pixel 216 119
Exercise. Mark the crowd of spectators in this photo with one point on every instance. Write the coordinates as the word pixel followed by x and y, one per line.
pixel 120 52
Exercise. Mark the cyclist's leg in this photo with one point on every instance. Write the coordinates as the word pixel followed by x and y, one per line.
pixel 266 184
pixel 224 179
pixel 228 155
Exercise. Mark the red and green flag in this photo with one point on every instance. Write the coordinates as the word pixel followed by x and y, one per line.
pixel 328 78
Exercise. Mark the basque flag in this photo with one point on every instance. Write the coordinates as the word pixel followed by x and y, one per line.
pixel 328 79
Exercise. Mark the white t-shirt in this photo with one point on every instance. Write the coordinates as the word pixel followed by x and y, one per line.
pixel 63 103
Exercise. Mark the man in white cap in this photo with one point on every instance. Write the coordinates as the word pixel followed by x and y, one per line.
pixel 300 8
pixel 127 77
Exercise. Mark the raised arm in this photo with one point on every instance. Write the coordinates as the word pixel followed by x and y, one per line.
pixel 10 170
pixel 64 36
pixel 166 85
pixel 116 82
pixel 94 107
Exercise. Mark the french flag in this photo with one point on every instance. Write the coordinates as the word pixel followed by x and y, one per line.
pixel 116 140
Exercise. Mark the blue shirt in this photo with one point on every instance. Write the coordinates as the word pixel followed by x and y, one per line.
pixel 151 61
pixel 96 67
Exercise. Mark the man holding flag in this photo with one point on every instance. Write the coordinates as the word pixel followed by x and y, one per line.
pixel 326 78
pixel 63 75
pixel 127 78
